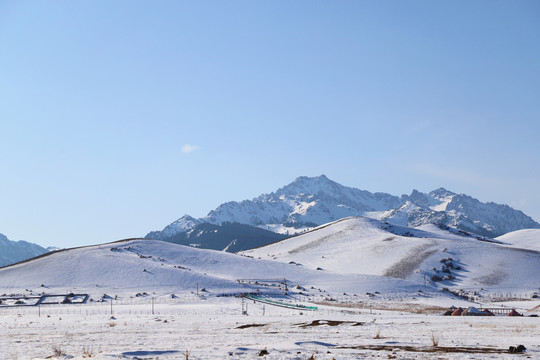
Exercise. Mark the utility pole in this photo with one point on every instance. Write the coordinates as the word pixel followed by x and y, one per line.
pixel 244 306
pixel 152 306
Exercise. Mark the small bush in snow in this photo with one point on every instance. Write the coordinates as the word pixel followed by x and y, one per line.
pixel 434 339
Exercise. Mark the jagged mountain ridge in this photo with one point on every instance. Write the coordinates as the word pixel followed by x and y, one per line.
pixel 15 251
pixel 459 211
pixel 312 201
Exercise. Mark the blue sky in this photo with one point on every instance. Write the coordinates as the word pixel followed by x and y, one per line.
pixel 116 118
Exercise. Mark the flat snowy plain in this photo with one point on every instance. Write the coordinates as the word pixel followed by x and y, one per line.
pixel 189 327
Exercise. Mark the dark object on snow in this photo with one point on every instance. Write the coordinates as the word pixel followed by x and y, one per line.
pixel 516 349
pixel 457 312
pixel 263 352
pixel 514 313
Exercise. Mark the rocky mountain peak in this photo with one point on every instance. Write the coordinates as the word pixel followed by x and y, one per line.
pixel 419 198
pixel 441 193
pixel 310 185
pixel 310 201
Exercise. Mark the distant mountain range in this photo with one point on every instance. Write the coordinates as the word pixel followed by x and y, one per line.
pixel 311 201
pixel 15 251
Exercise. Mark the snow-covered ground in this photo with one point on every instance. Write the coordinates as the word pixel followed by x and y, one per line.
pixel 525 239
pixel 216 329
pixel 371 282
pixel 361 245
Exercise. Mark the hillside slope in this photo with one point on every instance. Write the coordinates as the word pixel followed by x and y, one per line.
pixel 155 266
pixel 525 239
pixel 442 257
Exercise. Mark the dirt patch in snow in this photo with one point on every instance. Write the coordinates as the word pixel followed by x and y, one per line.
pixel 249 326
pixel 315 243
pixel 389 306
pixel 411 262
pixel 429 349
pixel 492 279
pixel 329 323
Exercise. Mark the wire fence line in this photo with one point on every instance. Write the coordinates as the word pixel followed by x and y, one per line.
pixel 188 305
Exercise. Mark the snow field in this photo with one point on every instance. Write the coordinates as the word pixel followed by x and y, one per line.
pixel 215 329
pixel 370 247
pixel 362 314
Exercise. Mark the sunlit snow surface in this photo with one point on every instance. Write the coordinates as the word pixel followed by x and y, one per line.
pixel 216 329
pixel 367 246
pixel 525 239
pixel 370 281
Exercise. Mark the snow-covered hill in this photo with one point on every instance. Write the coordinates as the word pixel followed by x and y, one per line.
pixel 311 201
pixel 441 256
pixel 355 255
pixel 525 239
pixel 15 251
pixel 140 265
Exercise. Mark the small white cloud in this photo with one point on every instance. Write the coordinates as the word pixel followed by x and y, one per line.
pixel 187 148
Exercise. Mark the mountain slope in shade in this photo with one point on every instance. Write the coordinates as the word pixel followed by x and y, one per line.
pixel 15 251
pixel 442 258
pixel 311 201
pixel 231 237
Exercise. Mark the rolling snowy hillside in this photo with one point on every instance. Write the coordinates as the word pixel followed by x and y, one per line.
pixel 525 239
pixel 311 201
pixel 441 256
pixel 15 251
pixel 134 266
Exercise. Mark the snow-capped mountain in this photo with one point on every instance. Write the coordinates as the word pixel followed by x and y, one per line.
pixel 182 225
pixel 311 201
pixel 305 202
pixel 459 211
pixel 15 251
